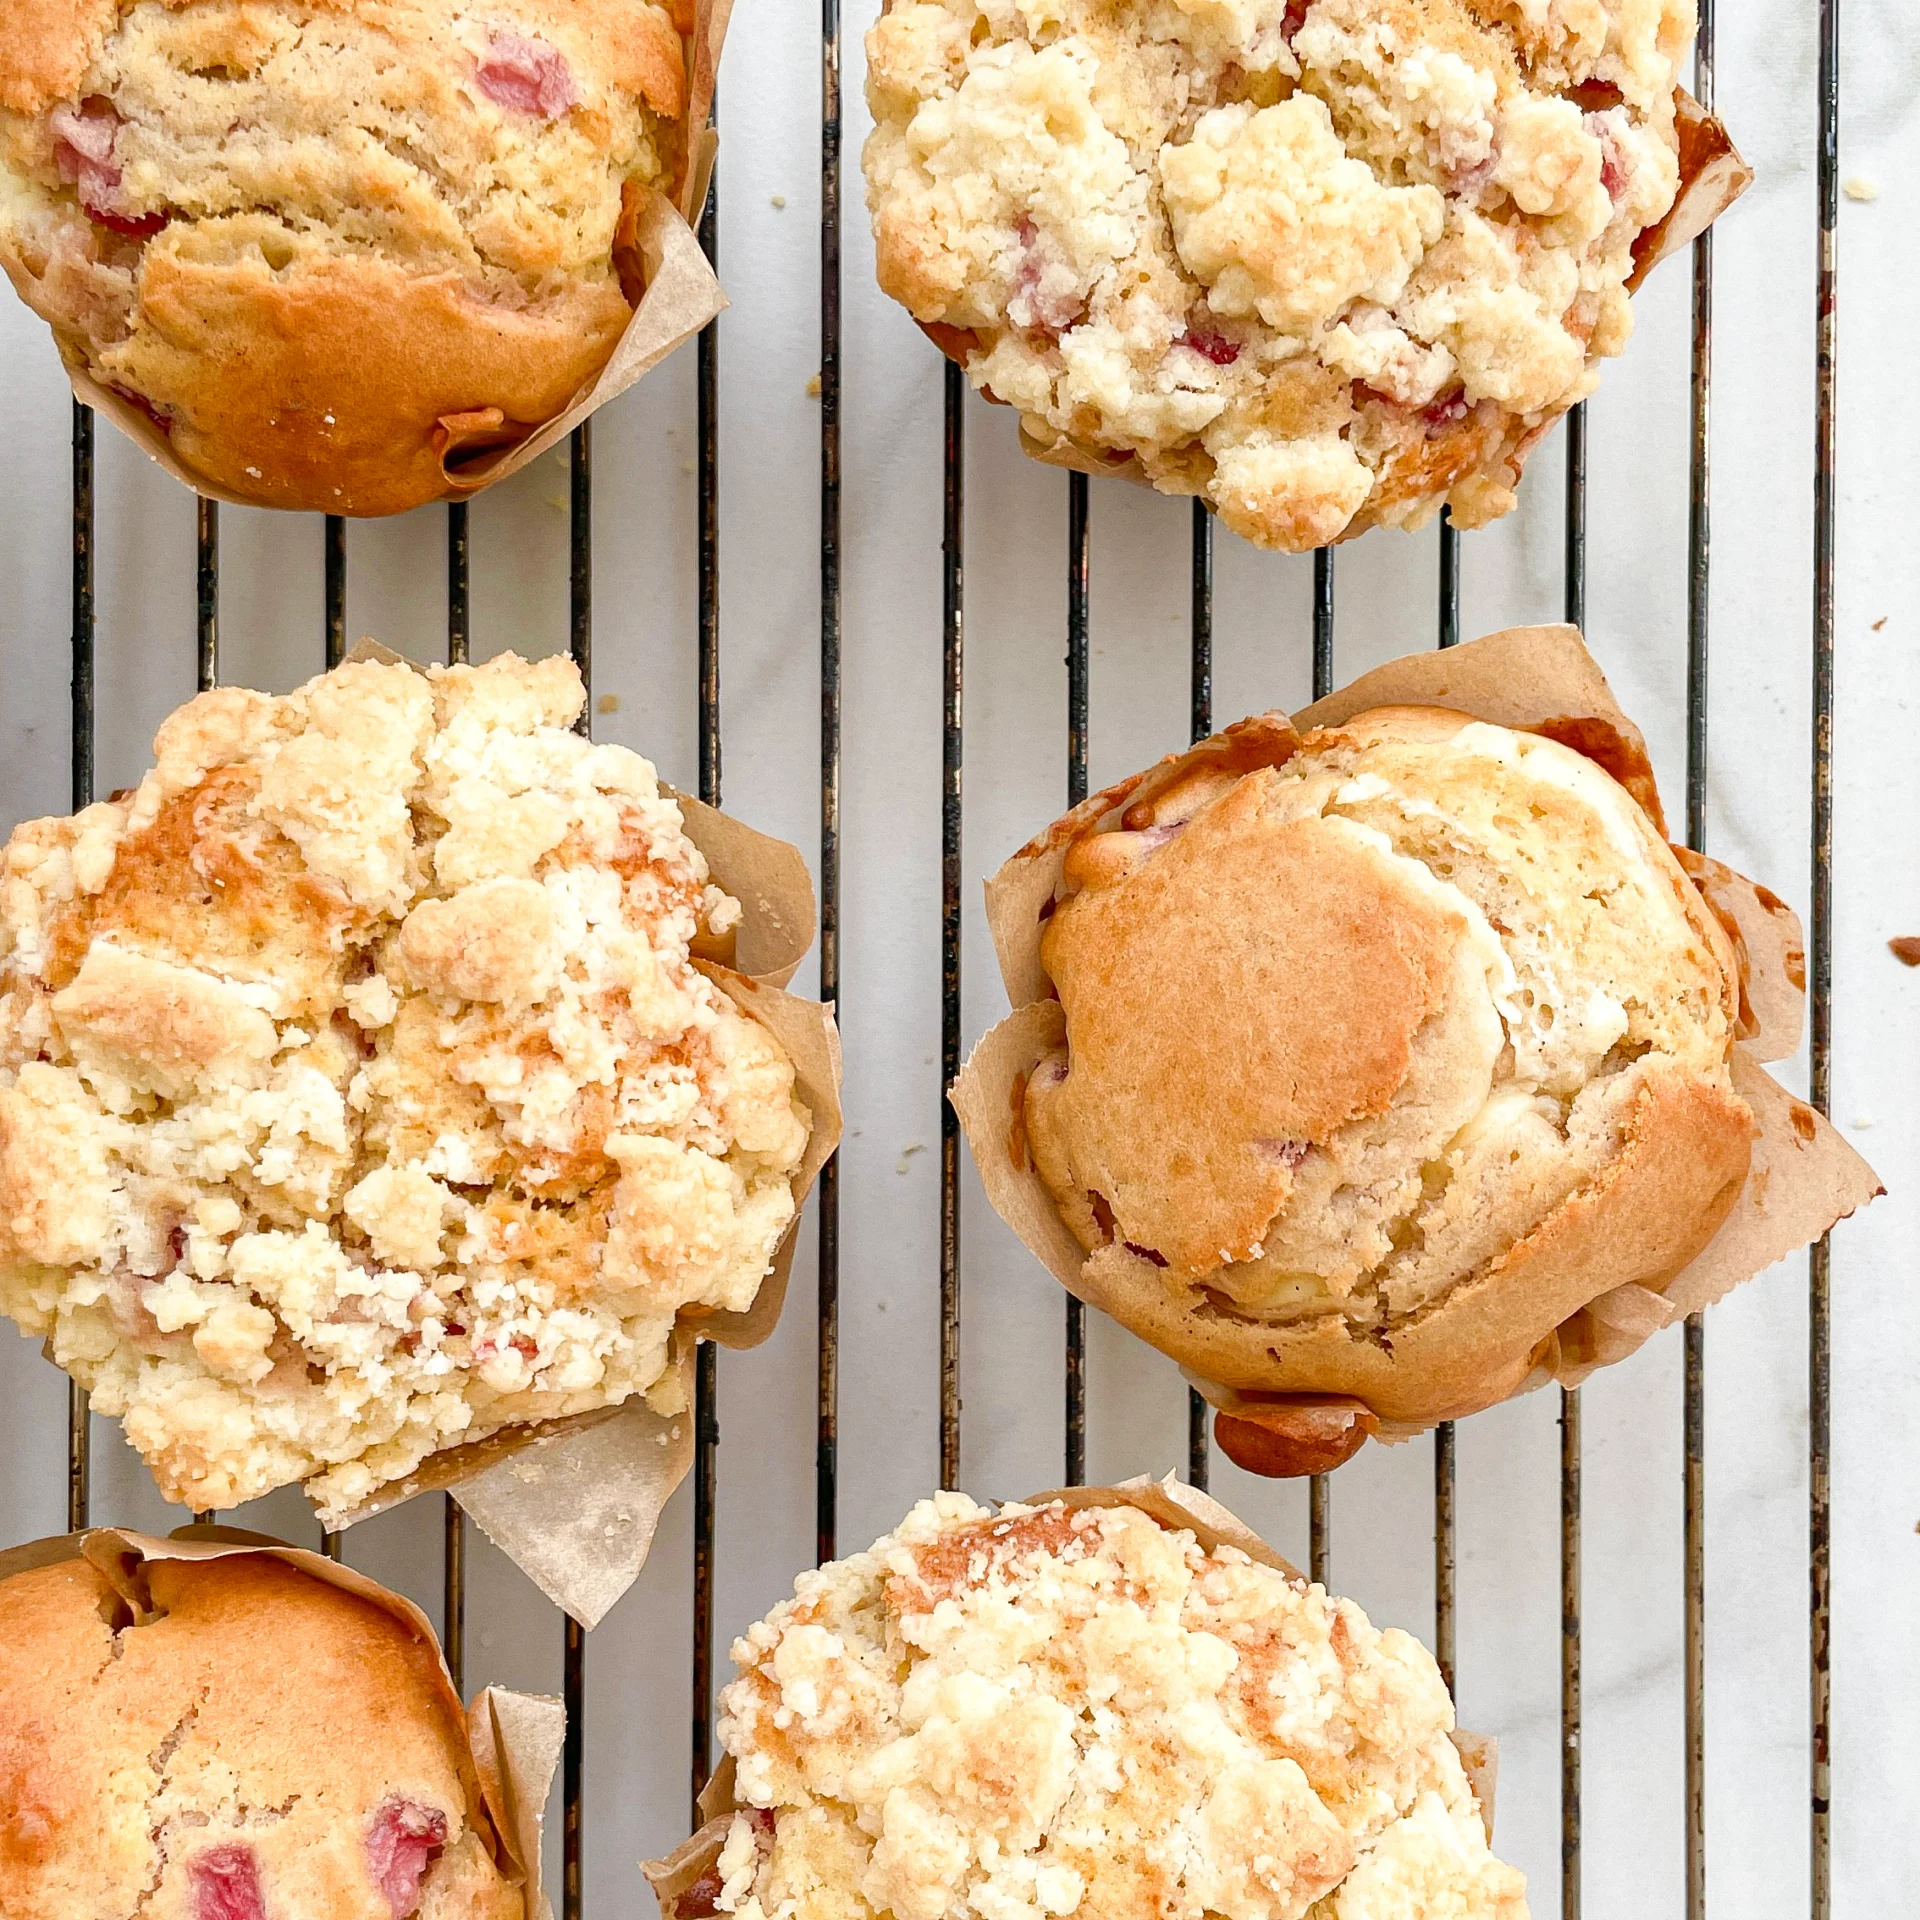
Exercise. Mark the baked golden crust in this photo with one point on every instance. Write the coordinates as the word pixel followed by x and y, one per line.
pixel 327 245
pixel 268 1737
pixel 1080 1711
pixel 1326 266
pixel 360 1095
pixel 1302 966
pixel 340 356
pixel 46 47
pixel 1683 1157
pixel 1389 1139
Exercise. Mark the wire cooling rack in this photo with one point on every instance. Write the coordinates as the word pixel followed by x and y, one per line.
pixel 1324 1499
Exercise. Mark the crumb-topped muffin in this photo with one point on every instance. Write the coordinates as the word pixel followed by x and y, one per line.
pixel 1326 265
pixel 264 1745
pixel 1383 1058
pixel 327 245
pixel 358 1093
pixel 1055 1712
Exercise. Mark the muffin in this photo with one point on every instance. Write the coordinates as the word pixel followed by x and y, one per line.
pixel 1325 265
pixel 361 1092
pixel 1079 1710
pixel 261 1743
pixel 1383 1051
pixel 330 247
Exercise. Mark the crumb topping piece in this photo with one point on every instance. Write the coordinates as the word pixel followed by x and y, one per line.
pixel 1326 265
pixel 1045 1712
pixel 358 1094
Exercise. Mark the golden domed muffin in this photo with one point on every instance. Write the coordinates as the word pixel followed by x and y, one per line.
pixel 1380 1056
pixel 326 245
pixel 1327 265
pixel 358 1093
pixel 267 1748
pixel 1044 1711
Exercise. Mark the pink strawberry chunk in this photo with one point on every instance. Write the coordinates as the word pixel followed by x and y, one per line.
pixel 225 1883
pixel 528 76
pixel 401 1844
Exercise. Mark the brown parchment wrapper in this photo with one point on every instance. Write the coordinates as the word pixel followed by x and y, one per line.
pixel 514 1738
pixel 681 295
pixel 574 1503
pixel 1804 1177
pixel 1176 1506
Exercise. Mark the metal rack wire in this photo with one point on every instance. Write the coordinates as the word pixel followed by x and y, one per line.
pixel 1078 506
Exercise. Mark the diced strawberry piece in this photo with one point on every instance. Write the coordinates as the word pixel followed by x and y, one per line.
pixel 1210 346
pixel 83 133
pixel 1448 411
pixel 144 405
pixel 83 151
pixel 1614 170
pixel 1471 182
pixel 1293 19
pixel 527 76
pixel 128 226
pixel 401 1844
pixel 225 1882
pixel 1034 306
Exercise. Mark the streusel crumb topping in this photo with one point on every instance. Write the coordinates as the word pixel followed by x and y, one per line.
pixel 1046 1712
pixel 358 1094
pixel 1327 265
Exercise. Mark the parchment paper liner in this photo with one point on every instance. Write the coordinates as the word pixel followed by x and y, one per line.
pixel 1804 1177
pixel 1175 1505
pixel 574 1503
pixel 514 1738
pixel 681 295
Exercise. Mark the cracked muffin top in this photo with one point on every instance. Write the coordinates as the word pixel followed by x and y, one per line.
pixel 359 1093
pixel 326 245
pixel 1325 265
pixel 1042 1711
pixel 1424 1013
pixel 171 1769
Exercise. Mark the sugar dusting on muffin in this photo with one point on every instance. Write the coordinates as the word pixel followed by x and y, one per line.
pixel 1327 265
pixel 1045 1712
pixel 358 1095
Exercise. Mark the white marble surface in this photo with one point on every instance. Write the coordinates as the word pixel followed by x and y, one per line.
pixel 644 638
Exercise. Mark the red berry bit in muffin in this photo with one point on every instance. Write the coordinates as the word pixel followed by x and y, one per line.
pixel 226 1883
pixel 401 1845
pixel 528 75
